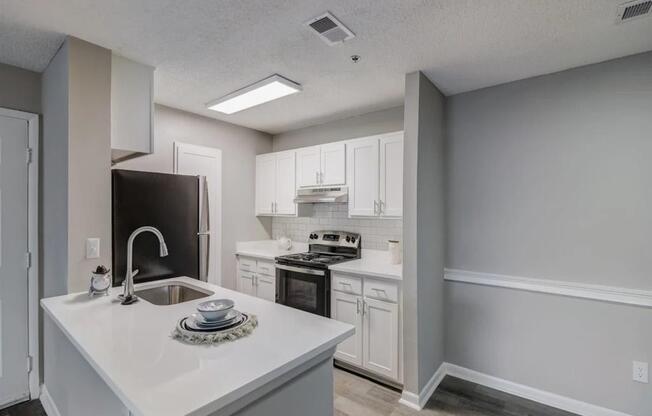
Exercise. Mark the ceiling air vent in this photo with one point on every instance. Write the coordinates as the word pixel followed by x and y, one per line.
pixel 633 9
pixel 331 30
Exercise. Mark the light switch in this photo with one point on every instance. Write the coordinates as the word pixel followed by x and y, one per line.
pixel 92 248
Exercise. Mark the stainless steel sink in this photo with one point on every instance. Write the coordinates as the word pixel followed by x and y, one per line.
pixel 171 294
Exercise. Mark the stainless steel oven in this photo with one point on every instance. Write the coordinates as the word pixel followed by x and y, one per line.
pixel 303 280
pixel 304 288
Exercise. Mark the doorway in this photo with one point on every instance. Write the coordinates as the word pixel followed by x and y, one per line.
pixel 190 159
pixel 18 257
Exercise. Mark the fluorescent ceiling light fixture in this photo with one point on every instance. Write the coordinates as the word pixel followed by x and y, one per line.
pixel 261 92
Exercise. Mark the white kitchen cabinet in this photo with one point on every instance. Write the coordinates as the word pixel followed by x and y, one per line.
pixel 380 337
pixel 275 184
pixel 132 108
pixel 347 308
pixel 246 282
pixel 308 166
pixel 257 277
pixel 266 287
pixel 323 165
pixel 362 163
pixel 265 184
pixel 333 164
pixel 391 175
pixel 375 176
pixel 373 307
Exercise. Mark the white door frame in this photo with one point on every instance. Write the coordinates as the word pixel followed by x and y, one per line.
pixel 215 223
pixel 32 244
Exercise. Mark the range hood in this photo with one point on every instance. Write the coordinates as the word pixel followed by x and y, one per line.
pixel 337 194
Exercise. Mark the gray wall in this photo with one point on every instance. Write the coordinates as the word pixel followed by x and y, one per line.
pixel 21 89
pixel 239 147
pixel 377 122
pixel 54 176
pixel 423 231
pixel 89 159
pixel 550 177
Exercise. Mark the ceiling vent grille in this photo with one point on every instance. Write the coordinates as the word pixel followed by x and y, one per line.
pixel 633 9
pixel 329 29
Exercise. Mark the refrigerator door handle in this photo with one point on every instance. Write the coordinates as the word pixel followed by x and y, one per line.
pixel 204 230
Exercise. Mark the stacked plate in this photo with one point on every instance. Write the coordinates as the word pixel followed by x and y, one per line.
pixel 214 315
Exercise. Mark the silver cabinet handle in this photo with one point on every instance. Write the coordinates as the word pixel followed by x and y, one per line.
pixel 357 303
pixel 365 307
pixel 381 205
pixel 375 207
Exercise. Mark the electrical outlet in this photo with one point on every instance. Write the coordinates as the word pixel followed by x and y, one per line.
pixel 92 248
pixel 640 371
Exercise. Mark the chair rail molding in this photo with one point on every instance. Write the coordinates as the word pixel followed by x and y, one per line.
pixel 613 294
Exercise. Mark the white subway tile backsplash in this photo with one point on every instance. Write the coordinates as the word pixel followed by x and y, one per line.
pixel 375 232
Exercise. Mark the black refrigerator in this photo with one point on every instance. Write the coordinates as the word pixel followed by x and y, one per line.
pixel 174 204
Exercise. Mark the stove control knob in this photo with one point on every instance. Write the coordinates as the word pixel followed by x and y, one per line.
pixel 348 239
pixel 353 239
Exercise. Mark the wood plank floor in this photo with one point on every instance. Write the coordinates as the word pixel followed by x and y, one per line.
pixel 357 396
pixel 32 408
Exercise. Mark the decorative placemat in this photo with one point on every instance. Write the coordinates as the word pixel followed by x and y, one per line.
pixel 239 330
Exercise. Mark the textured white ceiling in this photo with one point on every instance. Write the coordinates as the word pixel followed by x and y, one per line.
pixel 205 49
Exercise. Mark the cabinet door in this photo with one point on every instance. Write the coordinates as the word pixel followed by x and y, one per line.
pixel 308 166
pixel 348 308
pixel 285 184
pixel 380 333
pixel 266 287
pixel 333 164
pixel 132 107
pixel 246 283
pixel 362 177
pixel 265 184
pixel 391 175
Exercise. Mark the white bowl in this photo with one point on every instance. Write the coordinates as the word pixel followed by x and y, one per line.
pixel 216 309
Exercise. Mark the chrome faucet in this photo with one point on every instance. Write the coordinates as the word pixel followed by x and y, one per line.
pixel 128 296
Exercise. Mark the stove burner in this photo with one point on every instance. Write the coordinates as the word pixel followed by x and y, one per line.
pixel 318 258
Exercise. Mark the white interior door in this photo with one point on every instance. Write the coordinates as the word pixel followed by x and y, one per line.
pixel 206 161
pixel 265 184
pixel 362 165
pixel 308 166
pixel 14 384
pixel 333 164
pixel 391 175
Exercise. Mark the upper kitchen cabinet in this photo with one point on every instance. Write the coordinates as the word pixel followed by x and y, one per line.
pixel 132 109
pixel 276 184
pixel 323 165
pixel 375 176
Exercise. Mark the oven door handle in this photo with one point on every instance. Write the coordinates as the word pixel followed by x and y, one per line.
pixel 301 270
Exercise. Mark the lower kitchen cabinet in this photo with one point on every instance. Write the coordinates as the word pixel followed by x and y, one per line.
pixel 257 278
pixel 380 338
pixel 347 308
pixel 373 308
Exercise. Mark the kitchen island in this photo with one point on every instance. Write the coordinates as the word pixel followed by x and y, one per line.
pixel 103 358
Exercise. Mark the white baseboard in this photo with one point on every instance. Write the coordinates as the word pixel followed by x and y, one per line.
pixel 47 403
pixel 417 402
pixel 530 393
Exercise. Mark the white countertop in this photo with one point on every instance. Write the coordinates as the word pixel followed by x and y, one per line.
pixel 267 249
pixel 374 263
pixel 131 349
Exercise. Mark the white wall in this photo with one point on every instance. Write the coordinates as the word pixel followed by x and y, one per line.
pixel 239 147
pixel 377 122
pixel 551 177
pixel 423 231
